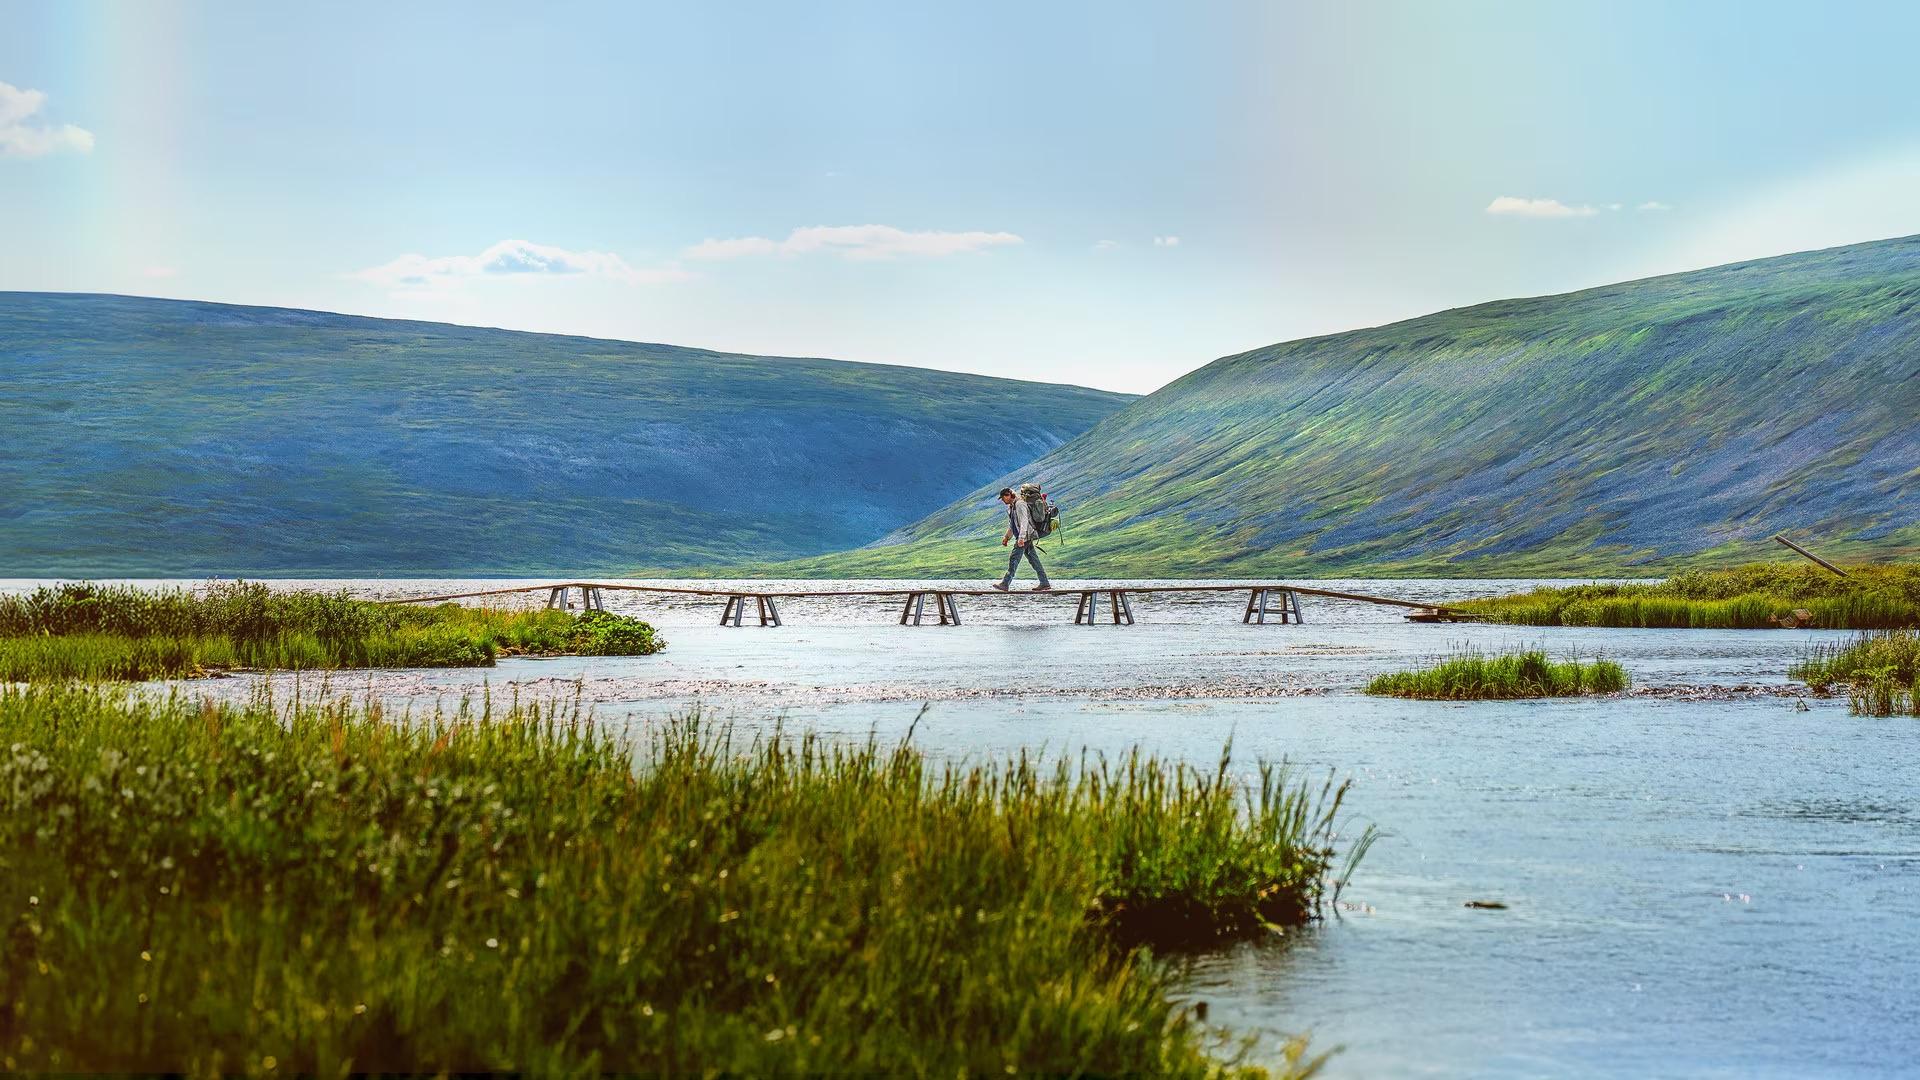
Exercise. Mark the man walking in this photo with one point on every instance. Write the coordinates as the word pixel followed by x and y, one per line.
pixel 1020 535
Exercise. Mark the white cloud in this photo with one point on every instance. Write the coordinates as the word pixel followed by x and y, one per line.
pixel 1513 206
pixel 1613 206
pixel 854 242
pixel 1166 241
pixel 1106 245
pixel 1653 205
pixel 19 137
pixel 510 258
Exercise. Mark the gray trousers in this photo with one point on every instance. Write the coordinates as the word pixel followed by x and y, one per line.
pixel 1013 563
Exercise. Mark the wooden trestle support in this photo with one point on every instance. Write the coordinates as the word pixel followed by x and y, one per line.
pixel 1260 605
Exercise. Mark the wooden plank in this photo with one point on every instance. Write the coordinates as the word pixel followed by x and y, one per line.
pixel 1812 556
pixel 1088 610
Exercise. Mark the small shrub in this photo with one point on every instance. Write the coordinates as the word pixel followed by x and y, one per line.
pixel 599 633
pixel 1473 676
pixel 1880 672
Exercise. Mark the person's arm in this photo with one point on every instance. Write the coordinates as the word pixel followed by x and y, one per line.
pixel 1022 522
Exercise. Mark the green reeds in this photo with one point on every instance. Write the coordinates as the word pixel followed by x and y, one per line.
pixel 1880 672
pixel 82 631
pixel 322 889
pixel 1756 596
pixel 1473 676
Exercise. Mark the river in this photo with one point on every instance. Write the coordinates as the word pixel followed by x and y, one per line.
pixel 1713 875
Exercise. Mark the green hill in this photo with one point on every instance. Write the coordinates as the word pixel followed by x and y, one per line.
pixel 142 436
pixel 1646 425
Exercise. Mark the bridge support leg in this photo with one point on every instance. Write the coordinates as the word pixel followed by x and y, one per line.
pixel 1261 604
pixel 1089 610
pixel 1120 607
pixel 949 611
pixel 735 613
pixel 591 600
pixel 906 609
pixel 769 611
pixel 557 598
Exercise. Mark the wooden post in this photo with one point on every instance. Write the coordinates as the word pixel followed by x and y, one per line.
pixel 772 610
pixel 1812 556
pixel 1125 606
pixel 907 608
pixel 949 611
pixel 1252 596
pixel 557 598
pixel 919 607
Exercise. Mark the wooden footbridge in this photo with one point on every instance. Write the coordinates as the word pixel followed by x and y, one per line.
pixel 1266 601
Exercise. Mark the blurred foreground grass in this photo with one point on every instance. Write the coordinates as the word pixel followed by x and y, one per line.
pixel 295 888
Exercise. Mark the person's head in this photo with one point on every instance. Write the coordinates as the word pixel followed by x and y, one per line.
pixel 1006 496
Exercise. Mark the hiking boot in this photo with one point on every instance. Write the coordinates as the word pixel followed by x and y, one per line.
pixel 1043 588
pixel 999 586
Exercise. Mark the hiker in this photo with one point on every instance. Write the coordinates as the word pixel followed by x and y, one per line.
pixel 1021 534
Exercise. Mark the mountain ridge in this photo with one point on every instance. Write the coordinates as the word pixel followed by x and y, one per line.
pixel 1627 427
pixel 151 436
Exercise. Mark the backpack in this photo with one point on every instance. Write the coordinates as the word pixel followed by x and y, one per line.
pixel 1044 515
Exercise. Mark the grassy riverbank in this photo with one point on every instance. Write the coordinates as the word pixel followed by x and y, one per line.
pixel 1754 596
pixel 1879 671
pixel 89 631
pixel 1473 676
pixel 299 889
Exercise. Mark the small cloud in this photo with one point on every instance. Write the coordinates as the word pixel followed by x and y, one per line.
pixel 160 272
pixel 854 242
pixel 1512 206
pixel 1613 206
pixel 1105 245
pixel 511 258
pixel 1651 205
pixel 1166 241
pixel 20 137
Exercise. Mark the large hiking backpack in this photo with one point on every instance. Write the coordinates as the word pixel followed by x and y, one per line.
pixel 1044 515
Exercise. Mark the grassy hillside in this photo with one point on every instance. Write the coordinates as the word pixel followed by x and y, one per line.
pixel 1660 423
pixel 148 436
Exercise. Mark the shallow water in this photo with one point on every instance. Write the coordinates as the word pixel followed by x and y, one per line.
pixel 1727 886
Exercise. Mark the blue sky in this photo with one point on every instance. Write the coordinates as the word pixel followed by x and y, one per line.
pixel 1094 193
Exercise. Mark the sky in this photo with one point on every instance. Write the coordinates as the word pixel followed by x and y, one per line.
pixel 1094 193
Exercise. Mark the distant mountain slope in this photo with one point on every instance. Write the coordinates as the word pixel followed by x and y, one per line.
pixel 143 436
pixel 1651 423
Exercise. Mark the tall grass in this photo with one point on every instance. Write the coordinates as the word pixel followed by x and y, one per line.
pixel 1473 676
pixel 321 889
pixel 1880 671
pixel 1748 597
pixel 89 631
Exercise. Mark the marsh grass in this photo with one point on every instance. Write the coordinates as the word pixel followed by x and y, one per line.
pixel 1473 676
pixel 1754 596
pixel 1880 672
pixel 303 888
pixel 84 631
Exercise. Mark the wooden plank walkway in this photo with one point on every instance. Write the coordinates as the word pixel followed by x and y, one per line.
pixel 1275 601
